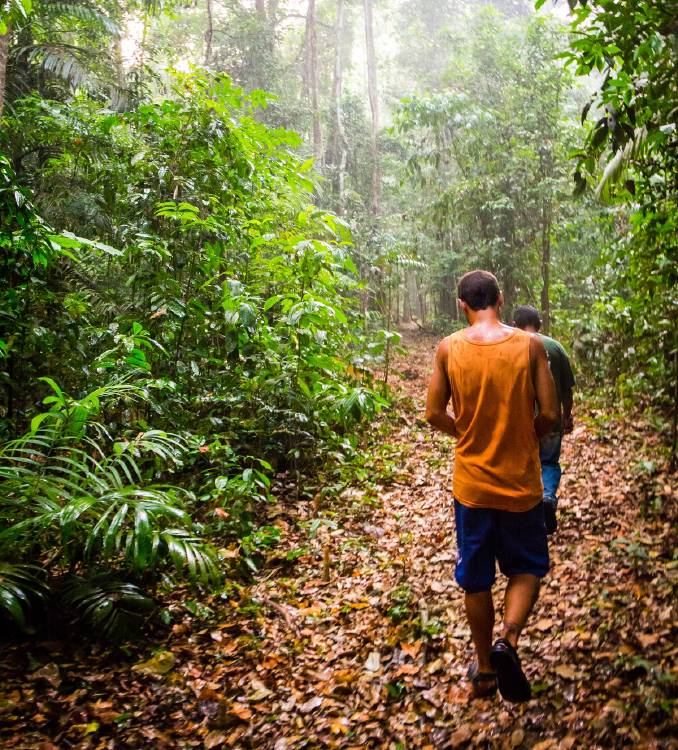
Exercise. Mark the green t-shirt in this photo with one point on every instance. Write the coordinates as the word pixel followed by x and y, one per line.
pixel 560 369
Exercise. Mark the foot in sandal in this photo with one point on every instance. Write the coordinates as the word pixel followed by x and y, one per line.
pixel 483 684
pixel 511 680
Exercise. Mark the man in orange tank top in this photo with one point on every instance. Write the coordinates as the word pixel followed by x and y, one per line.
pixel 503 400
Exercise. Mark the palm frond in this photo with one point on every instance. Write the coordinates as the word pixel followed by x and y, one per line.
pixel 83 12
pixel 125 522
pixel 77 208
pixel 22 588
pixel 618 166
pixel 92 503
pixel 189 552
pixel 64 61
pixel 110 608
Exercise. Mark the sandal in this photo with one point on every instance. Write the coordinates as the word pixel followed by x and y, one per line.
pixel 511 680
pixel 483 684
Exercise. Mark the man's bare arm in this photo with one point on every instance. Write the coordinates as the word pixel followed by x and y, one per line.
pixel 544 387
pixel 439 394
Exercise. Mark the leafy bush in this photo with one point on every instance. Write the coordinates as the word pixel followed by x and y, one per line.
pixel 107 606
pixel 73 501
pixel 22 591
pixel 212 269
pixel 203 295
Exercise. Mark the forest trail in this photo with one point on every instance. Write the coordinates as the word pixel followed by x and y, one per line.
pixel 376 655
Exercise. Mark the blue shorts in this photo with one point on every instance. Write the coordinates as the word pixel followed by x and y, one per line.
pixel 517 541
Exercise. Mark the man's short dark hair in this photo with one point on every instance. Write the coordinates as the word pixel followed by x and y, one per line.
pixel 479 289
pixel 526 315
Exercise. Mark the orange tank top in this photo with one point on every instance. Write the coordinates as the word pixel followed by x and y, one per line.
pixel 497 451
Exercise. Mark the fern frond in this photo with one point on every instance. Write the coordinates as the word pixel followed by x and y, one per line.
pixel 58 489
pixel 108 606
pixel 191 553
pixel 82 12
pixel 618 166
pixel 22 588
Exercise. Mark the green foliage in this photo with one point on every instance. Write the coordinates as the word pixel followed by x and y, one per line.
pixel 401 608
pixel 396 690
pixel 22 592
pixel 13 11
pixel 242 286
pixel 211 298
pixel 57 46
pixel 88 504
pixel 106 606
pixel 254 545
pixel 633 46
pixel 81 502
pixel 490 153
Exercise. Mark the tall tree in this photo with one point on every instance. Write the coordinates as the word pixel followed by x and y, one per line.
pixel 374 104
pixel 311 77
pixel 547 127
pixel 340 144
pixel 118 14
pixel 546 264
pixel 209 32
pixel 633 43
pixel 4 50
pixel 10 11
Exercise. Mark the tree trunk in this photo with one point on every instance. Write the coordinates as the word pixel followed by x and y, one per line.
pixel 421 298
pixel 447 299
pixel 261 8
pixel 311 75
pixel 142 44
pixel 444 297
pixel 4 51
pixel 455 305
pixel 374 104
pixel 209 31
pixel 546 159
pixel 118 64
pixel 341 147
pixel 546 268
pixel 673 465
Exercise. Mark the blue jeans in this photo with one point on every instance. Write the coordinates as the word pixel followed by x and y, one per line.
pixel 549 455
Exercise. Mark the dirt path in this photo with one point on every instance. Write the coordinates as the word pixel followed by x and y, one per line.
pixel 375 656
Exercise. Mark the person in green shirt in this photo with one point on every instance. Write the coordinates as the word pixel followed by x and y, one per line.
pixel 527 318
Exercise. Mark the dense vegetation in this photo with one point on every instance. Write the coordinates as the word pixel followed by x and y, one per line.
pixel 200 279
pixel 206 336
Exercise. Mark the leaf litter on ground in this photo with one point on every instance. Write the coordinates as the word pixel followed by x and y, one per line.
pixel 362 641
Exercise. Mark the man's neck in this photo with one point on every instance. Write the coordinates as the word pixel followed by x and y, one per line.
pixel 485 325
pixel 487 318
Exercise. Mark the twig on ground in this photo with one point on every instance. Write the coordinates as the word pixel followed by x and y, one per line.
pixel 282 610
